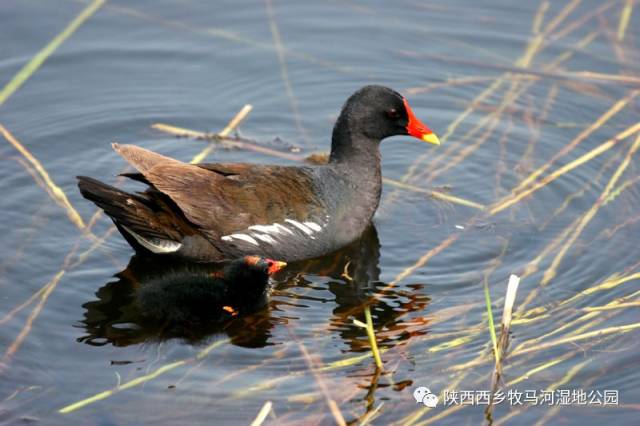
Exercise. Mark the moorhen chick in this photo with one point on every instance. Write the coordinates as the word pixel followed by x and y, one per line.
pixel 188 296
pixel 212 212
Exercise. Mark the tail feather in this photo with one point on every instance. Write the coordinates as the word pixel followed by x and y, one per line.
pixel 133 214
pixel 142 159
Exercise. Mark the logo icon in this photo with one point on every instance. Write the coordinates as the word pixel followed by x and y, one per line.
pixel 424 395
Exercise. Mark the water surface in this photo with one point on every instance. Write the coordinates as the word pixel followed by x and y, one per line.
pixel 194 65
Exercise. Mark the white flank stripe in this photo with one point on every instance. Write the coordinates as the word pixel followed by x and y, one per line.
pixel 265 238
pixel 242 237
pixel 270 229
pixel 277 225
pixel 314 226
pixel 299 226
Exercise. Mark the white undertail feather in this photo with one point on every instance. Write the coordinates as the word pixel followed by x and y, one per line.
pixel 155 245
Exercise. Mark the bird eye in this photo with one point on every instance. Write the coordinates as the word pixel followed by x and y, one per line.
pixel 393 113
pixel 269 264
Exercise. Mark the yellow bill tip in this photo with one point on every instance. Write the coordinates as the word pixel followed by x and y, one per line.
pixel 431 138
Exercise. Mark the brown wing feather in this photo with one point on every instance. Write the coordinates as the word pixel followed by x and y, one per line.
pixel 224 198
pixel 142 159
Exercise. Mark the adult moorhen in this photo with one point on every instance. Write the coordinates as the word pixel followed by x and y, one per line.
pixel 211 212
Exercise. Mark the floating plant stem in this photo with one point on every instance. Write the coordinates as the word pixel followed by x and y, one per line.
pixel 492 329
pixel 372 337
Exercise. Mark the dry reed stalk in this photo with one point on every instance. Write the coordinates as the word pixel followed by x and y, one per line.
pixel 515 91
pixel 284 73
pixel 538 369
pixel 81 258
pixel 424 259
pixel 535 137
pixel 262 414
pixel 181 132
pixel 26 329
pixel 523 62
pixel 96 244
pixel 573 371
pixel 586 218
pixel 613 110
pixel 560 17
pixel 465 368
pixel 34 175
pixel 542 312
pixel 576 338
pixel 39 58
pixel 509 301
pixel 576 352
pixel 372 337
pixel 589 317
pixel 94 217
pixel 333 407
pixel 141 380
pixel 589 320
pixel 518 195
pixel 44 294
pixel 58 194
pixel 624 19
pixel 367 418
pixel 522 350
pixel 592 75
pixel 451 128
pixel 501 348
pixel 493 119
pixel 348 362
pixel 620 189
pixel 450 82
pixel 610 162
pixel 492 123
pixel 537 74
pixel 613 41
pixel 239 372
pixel 9 316
pixel 468 366
pixel 570 27
pixel 235 122
pixel 413 418
pixel 556 62
pixel 610 232
pixel 38 220
pixel 438 195
pixel 538 18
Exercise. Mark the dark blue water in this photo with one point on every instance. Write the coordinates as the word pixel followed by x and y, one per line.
pixel 194 64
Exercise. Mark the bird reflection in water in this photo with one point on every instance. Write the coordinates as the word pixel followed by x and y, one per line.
pixel 129 311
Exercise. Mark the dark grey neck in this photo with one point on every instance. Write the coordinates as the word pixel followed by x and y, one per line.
pixel 352 147
pixel 356 159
